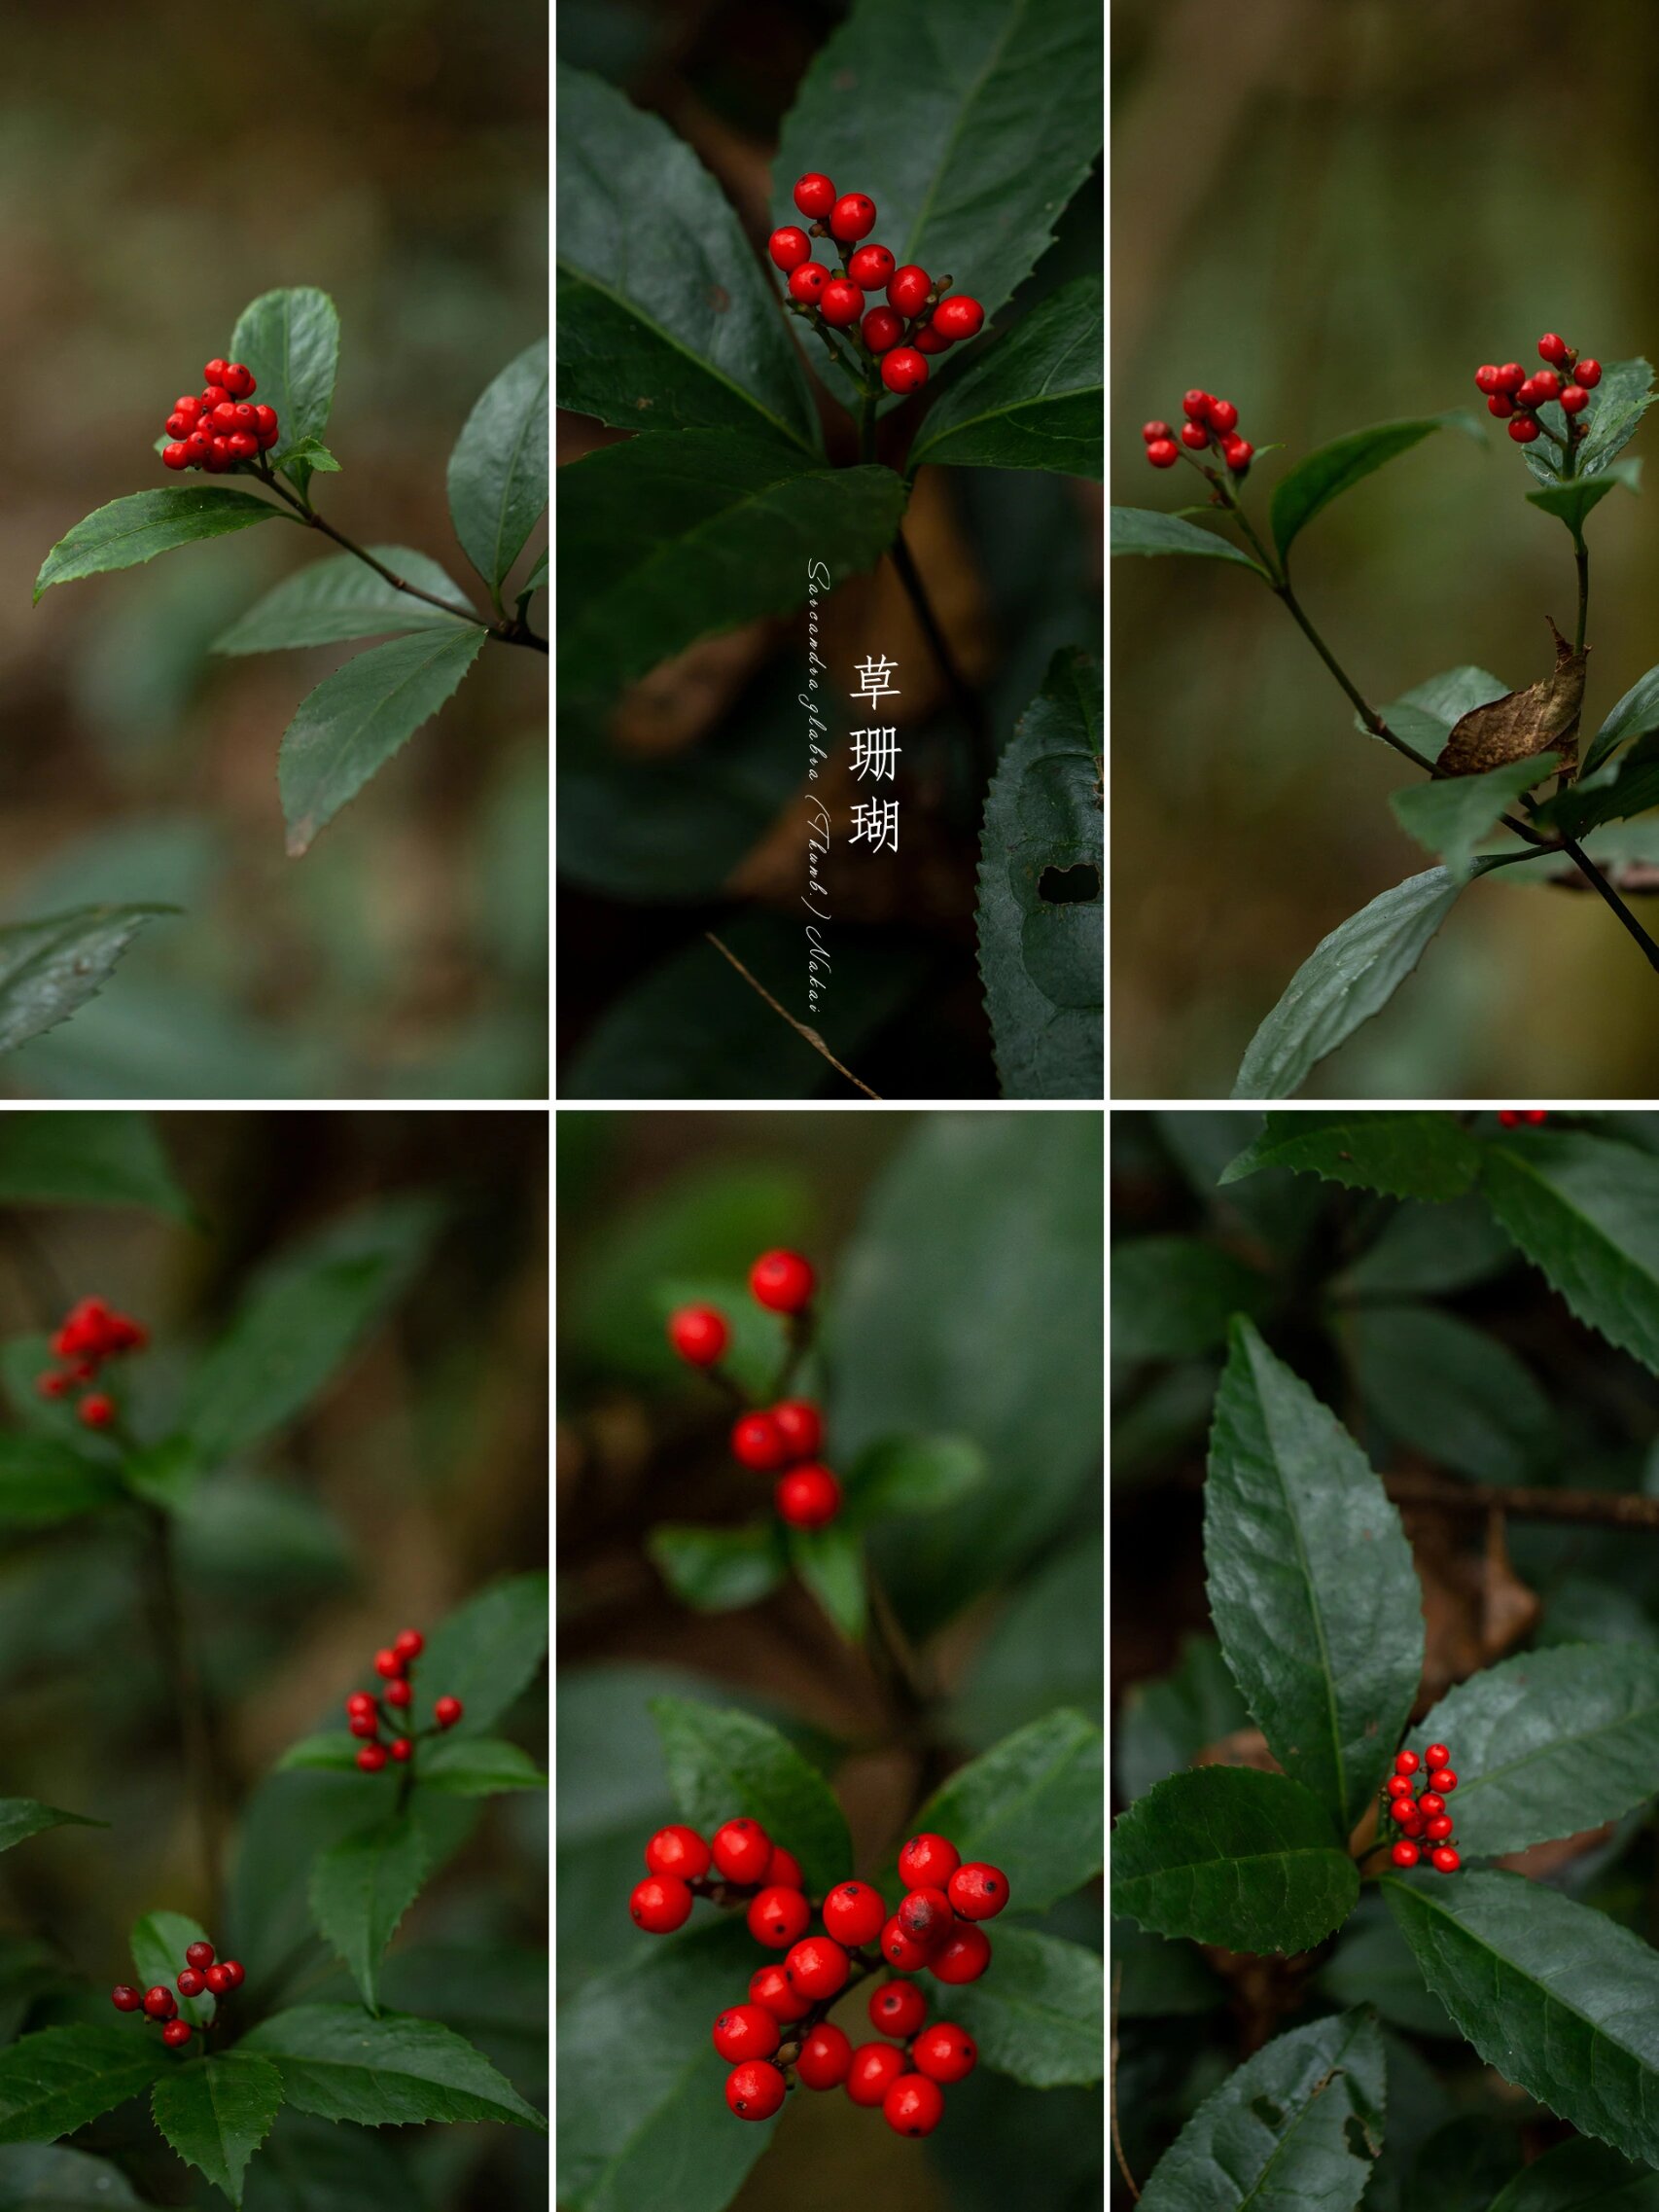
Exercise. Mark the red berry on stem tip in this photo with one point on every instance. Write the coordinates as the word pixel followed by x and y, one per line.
pixel 190 1983
pixel 234 1973
pixel 1511 376
pixel 97 1411
pixel 944 2053
pixel 1404 1854
pixel 1403 1810
pixel 214 371
pixel 1437 1754
pixel 677 1850
pixel 928 1860
pixel 807 282
pixel 243 446
pixel 661 1904
pixel 159 2003
pixel 875 2067
pixel 409 1644
pixel 176 2034
pixel 908 288
pixel 871 266
pixel 746 2031
pixel 1446 1860
pixel 853 216
pixel 881 328
pixel 783 1870
pixel 1431 1804
pixel 1439 1829
pixel 897 2009
pixel 1486 377
pixel 401 1748
pixel 782 1281
pixel 1547 382
pixel 447 1712
pixel 371 1758
pixel 929 339
pixel 826 2056
pixel 698 1333
pixel 1524 428
pixel 1444 1780
pixel 810 1496
pixel 958 315
pixel 1163 452
pixel 125 1998
pixel 359 1701
pixel 818 1967
pixel 1575 399
pixel 1195 436
pixel 926 1915
pixel 963 1957
pixel 1399 1785
pixel 1588 374
pixel 798 1420
pixel 1501 406
pixel 388 1664
pixel 1553 348
pixel 757 1443
pixel 755 2090
pixel 905 1952
pixel 741 1849
pixel 175 456
pixel 815 194
pixel 771 1987
pixel 1237 453
pixel 978 1892
pixel 365 1725
pixel 1195 405
pixel 1151 430
pixel 779 1917
pixel 212 396
pixel 217 1979
pixel 789 246
pixel 841 303
pixel 854 1914
pixel 914 2105
pixel 399 1693
pixel 1223 417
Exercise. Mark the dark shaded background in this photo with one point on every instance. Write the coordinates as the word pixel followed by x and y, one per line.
pixel 1332 210
pixel 157 171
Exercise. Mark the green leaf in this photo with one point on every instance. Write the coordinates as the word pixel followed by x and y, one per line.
pixel 50 969
pixel 1144 530
pixel 216 2112
pixel 1618 403
pixel 1033 400
pixel 334 1753
pixel 362 1888
pixel 830 1562
pixel 1296 2128
pixel 1428 1249
pixel 715 1570
pixel 1175 1296
pixel 159 1941
pixel 1585 1210
pixel 341 598
pixel 1229 1855
pixel 44 1479
pixel 476 1766
pixel 1572 501
pixel 1036 2011
pixel 666 320
pixel 1033 1805
pixel 52 2083
pixel 106 1159
pixel 1164 1725
pixel 303 456
pixel 1313 484
pixel 1310 1584
pixel 1374 1964
pixel 489 1650
pixel 1549 1743
pixel 1041 915
pixel 498 472
pixel 291 342
pixel 667 540
pixel 1617 790
pixel 1463 1398
pixel 47 2178
pixel 1559 1998
pixel 135 529
pixel 1408 1154
pixel 911 1475
pixel 1452 814
pixel 24 1817
pixel 341 2064
pixel 356 718
pixel 1635 715
pixel 1426 714
pixel 722 1764
pixel 1581 2176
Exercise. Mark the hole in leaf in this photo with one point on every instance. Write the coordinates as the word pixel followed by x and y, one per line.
pixel 1267 2112
pixel 1076 886
pixel 1356 2136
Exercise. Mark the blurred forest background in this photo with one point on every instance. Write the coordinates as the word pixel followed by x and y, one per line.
pixel 416 1479
pixel 156 175
pixel 1332 210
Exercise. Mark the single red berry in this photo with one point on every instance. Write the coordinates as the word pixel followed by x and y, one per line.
pixel 1588 374
pixel 798 1420
pixel 1151 430
pixel 1524 428
pixel 698 1333
pixel 409 1644
pixel 928 1862
pixel 818 1967
pixel 881 329
pixel 902 1950
pixel 875 2067
pixel 214 373
pixel 854 1914
pixel 789 246
pixel 1437 1754
pixel 677 1850
pixel 1575 399
pixel 200 445
pixel 1553 348
pixel 1548 384
pixel 1446 1860
pixel 1195 405
pixel 1444 1780
pixel 1399 1785
pixel 1163 452
pixel 1237 453
pixel 779 1917
pixel 359 1701
pixel 1223 417
pixel 1414 1826
pixel 1508 1118
pixel 755 2090
pixel 897 2009
pixel 212 395
pixel 1195 436
pixel 661 1904
pixel 871 266
pixel 238 379
pixel 807 282
pixel 388 1664
pixel 963 1957
pixel 929 339
pixel 1439 1829
pixel 176 2034
pixel 1486 377
pixel 826 2056
pixel 1501 406
pixel 190 1983
pixel 782 1281
pixel 914 2105
pixel 815 196
pixel 246 417
pixel 399 1693
pixel 757 1443
pixel 125 1998
pixel 1532 393
pixel 243 446
pixel 233 1973
pixel 783 1870
pixel 224 419
pixel 97 1411
pixel 771 1987
pixel 187 404
pixel 1511 376
pixel 978 1891
pixel 1431 1804
pixel 180 425
pixel 268 430
pixel 746 2031
pixel 371 1758
pixel 741 1850
pixel 1404 1854
pixel 926 1915
pixel 1403 1810
pixel 810 1496
pixel 217 1979
pixel 944 2053
pixel 908 288
pixel 401 1748
pixel 852 217
pixel 161 2003
pixel 447 1711
pixel 364 1724
pixel 842 304
pixel 958 315
pixel 175 456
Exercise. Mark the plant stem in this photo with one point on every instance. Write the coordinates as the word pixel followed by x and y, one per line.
pixel 968 705
pixel 1594 1509
pixel 866 427
pixel 1582 560
pixel 194 1715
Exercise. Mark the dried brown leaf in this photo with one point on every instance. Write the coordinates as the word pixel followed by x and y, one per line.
pixel 1541 719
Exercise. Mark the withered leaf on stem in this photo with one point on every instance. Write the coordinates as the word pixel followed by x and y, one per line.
pixel 1541 719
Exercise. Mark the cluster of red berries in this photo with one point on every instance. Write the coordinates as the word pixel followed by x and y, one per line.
pixel 1514 397
pixel 199 1973
pixel 1424 1822
pixel 917 312
pixel 781 1439
pixel 365 1716
pixel 91 1333
pixel 219 428
pixel 1511 1116
pixel 1210 421
pixel 781 2032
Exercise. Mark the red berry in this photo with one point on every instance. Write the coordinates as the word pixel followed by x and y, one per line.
pixel 914 2105
pixel 1486 377
pixel 1588 374
pixel 1399 1785
pixel 908 288
pixel 854 1914
pixel 1404 1854
pixel 190 1983
pixel 401 1748
pixel 963 1957
pixel 1575 399
pixel 125 1998
pixel 1524 428
pixel 187 404
pixel 783 1870
pixel 741 1850
pixel 1553 348
pixel 1431 1804
pixel 782 1281
pixel 1532 393
pixel 388 1664
pixel 698 1333
pixel 1446 1860
pixel 926 1915
pixel 875 2067
pixel 881 329
pixel 239 379
pixel 897 2009
pixel 359 1701
pixel 1223 417
pixel 175 456
pixel 1548 384
pixel 818 1967
pixel 944 2053
pixel 1195 405
pixel 842 304
pixel 815 196
pixel 746 2031
pixel 1163 452
pixel 1414 1826
pixel 1444 1780
pixel 1195 436
pixel 755 2090
pixel 409 1644
pixel 267 424
pixel 161 2003
pixel 903 1951
pixel 213 395
pixel 217 1979
pixel 1237 453
pixel 224 419
pixel 1511 376
pixel 677 1850
pixel 661 1904
pixel 826 2058
pixel 771 1987
pixel 1437 1754
pixel 789 247
pixel 779 1917
pixel 1501 406
pixel 214 373
pixel 807 282
pixel 978 1892
pixel 928 340
pixel 810 1496
pixel 233 1973
pixel 928 1862
pixel 853 216
pixel 399 1693
pixel 371 1758
pixel 957 316
pixel 798 1420
pixel 97 1411
pixel 447 1711
pixel 871 266
pixel 756 1442
pixel 176 2034
pixel 364 1724
pixel 1151 430
pixel 1439 1829
pixel 1403 1810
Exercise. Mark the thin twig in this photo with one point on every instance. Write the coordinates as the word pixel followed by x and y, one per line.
pixel 1595 1509
pixel 198 1734
pixel 1116 2139
pixel 800 1027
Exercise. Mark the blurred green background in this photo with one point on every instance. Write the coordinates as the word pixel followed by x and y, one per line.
pixel 1332 211
pixel 415 1479
pixel 157 173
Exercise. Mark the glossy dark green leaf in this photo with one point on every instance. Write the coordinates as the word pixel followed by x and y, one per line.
pixel 362 1888
pixel 1034 400
pixel 1163 1725
pixel 1229 1855
pixel 1036 2013
pixel 830 1562
pixel 52 2083
pixel 1296 2128
pixel 135 529
pixel 711 1570
pixel 1559 1998
pixel 488 1651
pixel 670 539
pixel 1042 912
pixel 107 1158
pixel 1310 1584
pixel 722 1762
pixel 1145 530
pixel 1549 1743
pixel 1428 1249
pixel 24 1817
pixel 341 598
pixel 44 1479
pixel 1174 1296
pixel 1407 1154
pixel 1451 814
pixel 1425 715
pixel 49 968
pixel 498 472
pixel 1033 1804
pixel 340 2063
pixel 216 2112
pixel 911 1475
pixel 1572 502
pixel 332 1753
pixel 1617 406
pixel 1612 792
pixel 1635 715
pixel 159 1942
pixel 291 342
pixel 1373 1964
pixel 666 319
pixel 356 718
pixel 1463 1398
pixel 1581 2176
pixel 1313 484
pixel 1585 1210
